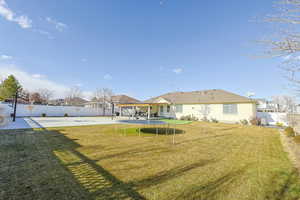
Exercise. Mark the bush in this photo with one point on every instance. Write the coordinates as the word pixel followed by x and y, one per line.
pixel 214 120
pixel 66 115
pixel 244 122
pixel 279 124
pixel 204 119
pixel 255 121
pixel 189 118
pixel 289 131
pixel 44 115
pixel 297 139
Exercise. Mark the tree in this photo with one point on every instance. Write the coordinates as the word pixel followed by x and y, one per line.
pixel 74 96
pixel 35 98
pixel 284 103
pixel 287 42
pixel 9 87
pixel 45 94
pixel 104 95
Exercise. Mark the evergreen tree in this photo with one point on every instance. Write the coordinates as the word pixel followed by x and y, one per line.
pixel 9 87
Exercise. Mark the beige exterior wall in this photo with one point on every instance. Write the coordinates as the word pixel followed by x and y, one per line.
pixel 244 111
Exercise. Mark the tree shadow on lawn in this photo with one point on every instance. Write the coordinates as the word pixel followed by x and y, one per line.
pixel 87 177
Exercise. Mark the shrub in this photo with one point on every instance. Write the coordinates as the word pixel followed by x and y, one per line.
pixel 289 131
pixel 204 119
pixel 189 118
pixel 66 115
pixel 255 121
pixel 297 139
pixel 44 115
pixel 244 122
pixel 279 124
pixel 214 120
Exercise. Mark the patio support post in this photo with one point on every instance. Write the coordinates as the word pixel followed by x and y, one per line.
pixel 149 110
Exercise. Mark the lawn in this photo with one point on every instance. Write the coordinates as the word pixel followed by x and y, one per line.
pixel 175 121
pixel 208 161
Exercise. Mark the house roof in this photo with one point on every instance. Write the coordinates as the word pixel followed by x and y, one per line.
pixel 119 99
pixel 206 97
pixel 124 99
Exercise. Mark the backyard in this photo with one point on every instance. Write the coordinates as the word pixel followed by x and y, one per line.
pixel 208 161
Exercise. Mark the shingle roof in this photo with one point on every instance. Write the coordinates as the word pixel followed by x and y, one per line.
pixel 123 99
pixel 205 96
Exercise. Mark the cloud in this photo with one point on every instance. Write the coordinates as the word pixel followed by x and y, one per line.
pixel 42 32
pixel 33 82
pixel 38 76
pixel 9 15
pixel 177 70
pixel 5 57
pixel 58 25
pixel 107 77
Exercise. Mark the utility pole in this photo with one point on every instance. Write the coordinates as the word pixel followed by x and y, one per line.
pixel 15 106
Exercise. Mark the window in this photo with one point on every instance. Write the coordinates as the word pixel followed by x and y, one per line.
pixel 168 108
pixel 178 108
pixel 161 108
pixel 230 109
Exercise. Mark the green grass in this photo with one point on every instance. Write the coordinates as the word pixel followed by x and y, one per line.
pixel 207 162
pixel 175 121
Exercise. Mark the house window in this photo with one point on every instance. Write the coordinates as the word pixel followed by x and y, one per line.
pixel 178 108
pixel 161 108
pixel 230 109
pixel 168 108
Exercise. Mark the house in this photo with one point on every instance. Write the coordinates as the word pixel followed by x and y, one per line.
pixel 263 105
pixel 209 104
pixel 75 101
pixel 111 104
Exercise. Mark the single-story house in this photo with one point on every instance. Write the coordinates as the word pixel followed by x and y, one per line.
pixel 209 104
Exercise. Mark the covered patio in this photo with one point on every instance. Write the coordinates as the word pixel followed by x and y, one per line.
pixel 151 110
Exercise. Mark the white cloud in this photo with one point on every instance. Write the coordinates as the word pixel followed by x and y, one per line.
pixel 8 14
pixel 107 77
pixel 42 32
pixel 33 82
pixel 177 70
pixel 38 76
pixel 58 25
pixel 5 57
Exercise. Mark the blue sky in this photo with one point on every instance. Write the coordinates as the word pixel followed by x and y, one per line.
pixel 142 48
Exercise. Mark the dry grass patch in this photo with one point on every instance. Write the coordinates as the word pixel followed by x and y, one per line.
pixel 209 161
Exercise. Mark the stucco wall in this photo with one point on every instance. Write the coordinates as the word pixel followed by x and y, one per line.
pixel 245 111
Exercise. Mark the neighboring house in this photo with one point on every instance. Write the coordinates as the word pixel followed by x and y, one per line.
pixel 75 101
pixel 56 102
pixel 111 104
pixel 210 104
pixel 263 105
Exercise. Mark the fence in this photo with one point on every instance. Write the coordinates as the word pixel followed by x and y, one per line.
pixel 273 117
pixel 55 111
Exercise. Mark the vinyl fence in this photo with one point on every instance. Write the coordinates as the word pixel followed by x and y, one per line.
pixel 273 117
pixel 55 111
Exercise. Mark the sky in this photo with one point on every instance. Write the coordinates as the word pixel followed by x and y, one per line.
pixel 141 48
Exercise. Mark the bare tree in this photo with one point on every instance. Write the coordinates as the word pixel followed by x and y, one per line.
pixel 46 94
pixel 286 43
pixel 284 103
pixel 35 98
pixel 104 95
pixel 74 96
